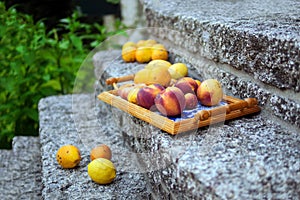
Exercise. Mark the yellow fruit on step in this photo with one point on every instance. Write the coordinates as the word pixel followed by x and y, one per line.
pixel 102 171
pixel 158 63
pixel 141 43
pixel 159 52
pixel 101 151
pixel 128 54
pixel 178 70
pixel 68 156
pixel 128 44
pixel 150 42
pixel 158 46
pixel 143 54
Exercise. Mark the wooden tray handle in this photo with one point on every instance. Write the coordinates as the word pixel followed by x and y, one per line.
pixel 240 105
pixel 112 80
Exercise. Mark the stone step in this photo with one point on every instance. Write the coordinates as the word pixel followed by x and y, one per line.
pixel 21 169
pixel 251 46
pixel 252 157
pixel 81 121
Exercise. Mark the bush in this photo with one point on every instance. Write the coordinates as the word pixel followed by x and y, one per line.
pixel 36 63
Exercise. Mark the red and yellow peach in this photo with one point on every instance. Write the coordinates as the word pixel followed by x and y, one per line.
pixel 170 102
pixel 210 92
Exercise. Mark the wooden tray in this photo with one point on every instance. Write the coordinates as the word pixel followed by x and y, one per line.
pixel 231 108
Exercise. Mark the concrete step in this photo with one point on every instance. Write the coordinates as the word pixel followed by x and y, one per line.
pixel 21 169
pixel 252 157
pixel 81 121
pixel 251 46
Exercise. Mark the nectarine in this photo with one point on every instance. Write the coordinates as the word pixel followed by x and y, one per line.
pixel 210 92
pixel 170 102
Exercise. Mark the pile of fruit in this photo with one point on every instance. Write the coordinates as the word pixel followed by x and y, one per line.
pixel 144 51
pixel 101 170
pixel 167 88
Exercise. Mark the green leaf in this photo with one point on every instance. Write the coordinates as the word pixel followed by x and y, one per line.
pixel 31 113
pixel 76 41
pixel 64 44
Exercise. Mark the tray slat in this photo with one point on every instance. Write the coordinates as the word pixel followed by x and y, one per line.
pixel 235 108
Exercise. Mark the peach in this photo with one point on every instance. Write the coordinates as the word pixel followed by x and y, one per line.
pixel 187 85
pixel 132 95
pixel 210 92
pixel 146 95
pixel 123 92
pixel 170 102
pixel 191 101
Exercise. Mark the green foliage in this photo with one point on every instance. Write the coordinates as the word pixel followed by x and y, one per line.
pixel 35 63
pixel 113 1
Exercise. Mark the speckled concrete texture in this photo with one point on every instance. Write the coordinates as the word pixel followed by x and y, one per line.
pixel 20 170
pixel 248 158
pixel 76 120
pixel 259 38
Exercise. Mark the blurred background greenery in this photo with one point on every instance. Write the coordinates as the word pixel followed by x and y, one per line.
pixel 42 45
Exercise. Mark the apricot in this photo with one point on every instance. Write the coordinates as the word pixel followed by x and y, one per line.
pixel 210 92
pixel 68 156
pixel 170 102
pixel 101 151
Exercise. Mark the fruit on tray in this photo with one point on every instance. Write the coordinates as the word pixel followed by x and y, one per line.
pixel 158 63
pixel 154 75
pixel 68 156
pixel 143 51
pixel 146 95
pixel 132 95
pixel 178 70
pixel 170 102
pixel 198 83
pixel 101 151
pixel 187 85
pixel 210 92
pixel 124 90
pixel 191 101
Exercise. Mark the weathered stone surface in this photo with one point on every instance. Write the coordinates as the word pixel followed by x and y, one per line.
pixel 247 158
pixel 286 109
pixel 81 121
pixel 259 38
pixel 20 170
